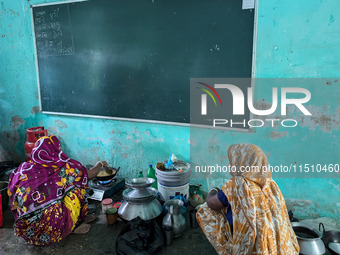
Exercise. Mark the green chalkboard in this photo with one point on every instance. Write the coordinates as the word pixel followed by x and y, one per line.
pixel 134 58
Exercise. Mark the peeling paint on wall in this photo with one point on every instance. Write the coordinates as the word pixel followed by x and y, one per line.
pixel 336 186
pixel 298 207
pixel 17 121
pixel 60 124
pixel 35 109
pixel 276 135
pixel 322 118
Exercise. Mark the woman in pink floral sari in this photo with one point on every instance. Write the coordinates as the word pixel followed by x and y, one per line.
pixel 48 194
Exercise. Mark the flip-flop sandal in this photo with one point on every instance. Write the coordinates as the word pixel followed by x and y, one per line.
pixel 82 229
pixel 90 218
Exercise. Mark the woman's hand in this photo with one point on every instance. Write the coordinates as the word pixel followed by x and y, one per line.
pixel 93 172
pixel 101 164
pixel 213 201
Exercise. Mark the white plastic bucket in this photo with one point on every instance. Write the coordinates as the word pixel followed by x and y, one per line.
pixel 173 183
pixel 170 192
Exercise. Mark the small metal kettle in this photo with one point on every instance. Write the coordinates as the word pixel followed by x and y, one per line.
pixel 174 219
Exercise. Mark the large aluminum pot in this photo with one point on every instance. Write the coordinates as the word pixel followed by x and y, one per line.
pixel 140 200
pixel 309 239
pixel 146 211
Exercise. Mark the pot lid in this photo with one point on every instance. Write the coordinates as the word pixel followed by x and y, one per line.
pixel 139 195
pixel 139 183
pixel 139 190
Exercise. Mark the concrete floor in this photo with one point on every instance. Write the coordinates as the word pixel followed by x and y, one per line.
pixel 100 240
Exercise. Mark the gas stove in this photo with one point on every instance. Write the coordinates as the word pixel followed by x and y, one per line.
pixel 105 189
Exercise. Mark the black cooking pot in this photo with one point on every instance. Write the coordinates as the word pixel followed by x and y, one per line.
pixel 4 195
pixel 110 173
pixel 329 237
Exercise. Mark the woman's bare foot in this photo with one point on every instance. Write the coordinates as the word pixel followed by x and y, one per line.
pixel 89 218
pixel 82 229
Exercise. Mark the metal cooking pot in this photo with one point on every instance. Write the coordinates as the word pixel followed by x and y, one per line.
pixel 140 200
pixel 309 239
pixel 331 238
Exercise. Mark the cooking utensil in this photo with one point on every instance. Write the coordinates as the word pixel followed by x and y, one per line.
pixel 140 200
pixel 174 218
pixel 110 171
pixel 334 248
pixel 168 231
pixel 331 238
pixel 139 183
pixel 309 239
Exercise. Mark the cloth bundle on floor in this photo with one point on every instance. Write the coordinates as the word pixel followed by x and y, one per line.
pixel 140 237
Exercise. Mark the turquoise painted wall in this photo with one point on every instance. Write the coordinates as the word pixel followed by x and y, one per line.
pixel 301 39
pixel 295 39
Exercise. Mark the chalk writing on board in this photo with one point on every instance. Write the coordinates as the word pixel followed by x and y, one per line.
pixel 53 32
pixel 248 4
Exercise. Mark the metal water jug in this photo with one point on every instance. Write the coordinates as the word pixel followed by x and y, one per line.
pixel 174 219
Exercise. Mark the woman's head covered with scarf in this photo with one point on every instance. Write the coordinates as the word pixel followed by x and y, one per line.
pixel 248 161
pixel 47 151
